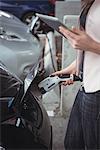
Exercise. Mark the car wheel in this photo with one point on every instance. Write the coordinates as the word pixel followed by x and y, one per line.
pixel 15 138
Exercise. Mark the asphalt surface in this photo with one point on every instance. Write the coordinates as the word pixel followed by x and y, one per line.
pixel 59 125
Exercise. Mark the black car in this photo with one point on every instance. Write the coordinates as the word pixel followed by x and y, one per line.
pixel 24 123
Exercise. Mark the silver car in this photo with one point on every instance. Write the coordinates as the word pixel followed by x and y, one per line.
pixel 19 49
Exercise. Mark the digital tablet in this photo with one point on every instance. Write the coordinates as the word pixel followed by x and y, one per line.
pixel 53 22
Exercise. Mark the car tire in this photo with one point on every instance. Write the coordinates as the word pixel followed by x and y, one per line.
pixel 13 137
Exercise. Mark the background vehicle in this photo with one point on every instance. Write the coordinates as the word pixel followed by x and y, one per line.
pixel 25 9
pixel 24 122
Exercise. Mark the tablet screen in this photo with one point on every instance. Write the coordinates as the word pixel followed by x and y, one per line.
pixel 53 22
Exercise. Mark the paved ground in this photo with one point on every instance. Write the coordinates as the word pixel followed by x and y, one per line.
pixel 59 129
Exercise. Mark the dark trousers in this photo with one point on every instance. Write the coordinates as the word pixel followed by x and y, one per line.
pixel 83 131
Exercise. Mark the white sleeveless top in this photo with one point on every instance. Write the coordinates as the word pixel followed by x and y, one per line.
pixel 91 69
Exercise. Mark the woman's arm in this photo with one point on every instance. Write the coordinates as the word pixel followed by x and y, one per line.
pixel 71 69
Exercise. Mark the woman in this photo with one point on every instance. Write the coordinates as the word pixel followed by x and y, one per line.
pixel 83 131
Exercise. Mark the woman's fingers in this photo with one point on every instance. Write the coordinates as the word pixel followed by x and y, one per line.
pixel 56 73
pixel 68 82
pixel 74 33
pixel 77 31
pixel 67 33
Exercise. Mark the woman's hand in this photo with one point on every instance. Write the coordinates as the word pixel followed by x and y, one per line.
pixel 67 82
pixel 71 69
pixel 79 39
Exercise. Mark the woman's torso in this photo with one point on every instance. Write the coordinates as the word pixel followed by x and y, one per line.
pixel 91 66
